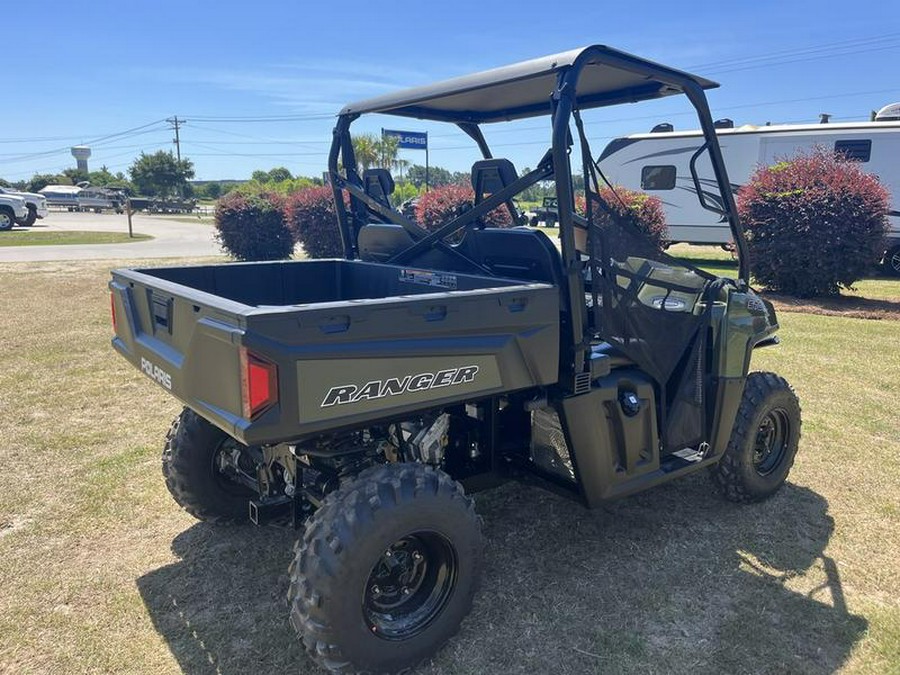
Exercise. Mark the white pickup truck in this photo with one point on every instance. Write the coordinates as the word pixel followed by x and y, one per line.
pixel 12 210
pixel 36 205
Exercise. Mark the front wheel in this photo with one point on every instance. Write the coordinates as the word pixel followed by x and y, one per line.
pixel 763 441
pixel 199 462
pixel 7 219
pixel 386 570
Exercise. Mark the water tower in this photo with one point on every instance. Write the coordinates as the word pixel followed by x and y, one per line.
pixel 81 154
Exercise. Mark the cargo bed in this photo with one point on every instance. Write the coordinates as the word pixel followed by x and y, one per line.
pixel 344 342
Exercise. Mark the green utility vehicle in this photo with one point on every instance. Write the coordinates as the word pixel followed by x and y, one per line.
pixel 546 213
pixel 363 399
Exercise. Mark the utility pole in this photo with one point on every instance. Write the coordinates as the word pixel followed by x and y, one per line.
pixel 176 125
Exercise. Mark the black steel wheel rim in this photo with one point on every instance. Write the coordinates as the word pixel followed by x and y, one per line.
pixel 410 585
pixel 772 438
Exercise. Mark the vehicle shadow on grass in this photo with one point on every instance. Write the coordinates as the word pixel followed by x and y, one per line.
pixel 673 580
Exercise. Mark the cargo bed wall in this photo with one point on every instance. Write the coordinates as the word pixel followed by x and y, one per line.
pixel 346 356
pixel 312 281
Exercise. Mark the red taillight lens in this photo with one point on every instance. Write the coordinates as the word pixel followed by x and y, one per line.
pixel 112 309
pixel 259 384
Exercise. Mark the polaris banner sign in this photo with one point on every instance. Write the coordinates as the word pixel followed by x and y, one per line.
pixel 411 140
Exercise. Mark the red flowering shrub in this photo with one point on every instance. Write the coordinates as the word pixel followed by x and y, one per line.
pixel 814 223
pixel 441 205
pixel 636 208
pixel 311 217
pixel 251 227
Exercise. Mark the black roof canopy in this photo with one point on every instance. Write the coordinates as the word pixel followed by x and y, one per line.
pixel 523 89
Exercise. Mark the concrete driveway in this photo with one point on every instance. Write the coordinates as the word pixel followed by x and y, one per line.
pixel 171 238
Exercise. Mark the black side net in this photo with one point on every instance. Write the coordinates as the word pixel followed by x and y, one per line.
pixel 650 306
pixel 645 304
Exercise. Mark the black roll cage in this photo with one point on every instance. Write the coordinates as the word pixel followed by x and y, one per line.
pixel 564 102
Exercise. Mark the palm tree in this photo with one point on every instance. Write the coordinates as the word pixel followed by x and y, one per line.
pixel 388 146
pixel 367 149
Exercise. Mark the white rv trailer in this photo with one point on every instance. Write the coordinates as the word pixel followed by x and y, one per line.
pixel 659 163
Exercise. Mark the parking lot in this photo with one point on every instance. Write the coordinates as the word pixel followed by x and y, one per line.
pixel 173 236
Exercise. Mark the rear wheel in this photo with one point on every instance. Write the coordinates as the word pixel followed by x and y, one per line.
pixel 763 441
pixel 7 218
pixel 386 570
pixel 195 463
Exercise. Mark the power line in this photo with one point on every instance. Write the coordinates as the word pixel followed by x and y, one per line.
pixel 263 139
pixel 262 118
pixel 827 48
pixel 128 133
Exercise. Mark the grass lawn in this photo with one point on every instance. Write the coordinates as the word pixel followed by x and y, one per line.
pixel 204 219
pixel 21 237
pixel 101 572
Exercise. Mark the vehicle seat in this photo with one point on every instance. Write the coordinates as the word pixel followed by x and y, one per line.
pixel 517 253
pixel 492 175
pixel 379 185
pixel 379 242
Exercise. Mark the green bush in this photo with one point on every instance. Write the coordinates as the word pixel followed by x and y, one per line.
pixel 312 220
pixel 814 224
pixel 640 210
pixel 252 227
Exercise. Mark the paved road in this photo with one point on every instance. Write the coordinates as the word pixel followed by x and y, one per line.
pixel 171 238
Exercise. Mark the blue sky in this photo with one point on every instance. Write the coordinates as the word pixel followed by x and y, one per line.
pixel 86 72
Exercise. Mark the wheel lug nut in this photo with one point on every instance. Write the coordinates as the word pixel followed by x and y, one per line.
pixel 405 591
pixel 388 554
pixel 417 556
pixel 376 590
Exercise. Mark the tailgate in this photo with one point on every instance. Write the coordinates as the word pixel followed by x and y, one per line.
pixel 186 341
pixel 332 364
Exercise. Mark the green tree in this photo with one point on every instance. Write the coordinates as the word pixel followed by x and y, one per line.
pixel 213 190
pixel 403 192
pixel 260 176
pixel 160 174
pixel 76 176
pixel 41 180
pixel 279 174
pixel 115 181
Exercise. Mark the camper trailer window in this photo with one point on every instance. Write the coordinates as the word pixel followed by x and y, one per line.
pixel 858 151
pixel 658 178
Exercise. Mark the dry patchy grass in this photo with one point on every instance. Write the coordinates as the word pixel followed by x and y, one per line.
pixel 102 573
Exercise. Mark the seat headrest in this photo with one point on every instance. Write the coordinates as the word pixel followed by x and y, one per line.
pixel 378 184
pixel 492 175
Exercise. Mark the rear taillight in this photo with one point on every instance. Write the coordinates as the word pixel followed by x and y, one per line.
pixel 259 384
pixel 112 309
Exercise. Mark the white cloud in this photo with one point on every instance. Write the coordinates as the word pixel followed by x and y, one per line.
pixel 305 88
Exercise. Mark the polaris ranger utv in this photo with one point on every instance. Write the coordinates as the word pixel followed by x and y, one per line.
pixel 361 399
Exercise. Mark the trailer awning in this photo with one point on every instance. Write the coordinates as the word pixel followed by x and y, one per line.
pixel 523 89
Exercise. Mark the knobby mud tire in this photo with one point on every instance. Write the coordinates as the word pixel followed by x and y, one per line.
pixel 739 476
pixel 331 574
pixel 188 466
